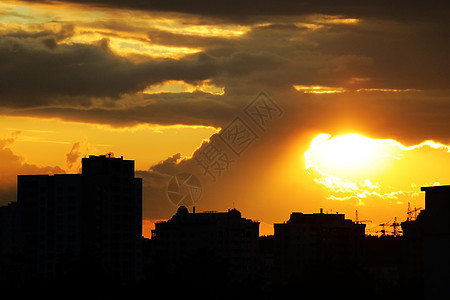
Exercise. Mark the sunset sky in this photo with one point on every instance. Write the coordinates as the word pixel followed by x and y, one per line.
pixel 361 91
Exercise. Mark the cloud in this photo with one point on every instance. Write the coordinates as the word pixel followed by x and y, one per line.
pixel 247 11
pixel 62 78
pixel 8 141
pixel 155 202
pixel 68 74
pixel 195 108
pixel 73 157
pixel 165 37
pixel 13 165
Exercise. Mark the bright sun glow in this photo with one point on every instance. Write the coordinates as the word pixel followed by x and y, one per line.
pixel 366 171
pixel 346 152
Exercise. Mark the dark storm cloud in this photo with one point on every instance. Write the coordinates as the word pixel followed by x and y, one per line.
pixel 383 50
pixel 70 79
pixel 402 55
pixel 164 109
pixel 36 71
pixel 408 117
pixel 247 11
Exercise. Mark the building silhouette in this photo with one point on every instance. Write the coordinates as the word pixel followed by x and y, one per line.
pixel 309 242
pixel 427 244
pixel 82 225
pixel 208 239
pixel 9 242
pixel 114 215
pixel 319 236
pixel 50 225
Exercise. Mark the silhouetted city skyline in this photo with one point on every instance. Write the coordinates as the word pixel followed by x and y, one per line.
pixel 88 226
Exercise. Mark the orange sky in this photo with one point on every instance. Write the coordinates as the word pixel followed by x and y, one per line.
pixel 363 94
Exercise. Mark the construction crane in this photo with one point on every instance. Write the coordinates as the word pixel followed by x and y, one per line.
pixel 383 231
pixel 395 226
pixel 360 221
pixel 411 212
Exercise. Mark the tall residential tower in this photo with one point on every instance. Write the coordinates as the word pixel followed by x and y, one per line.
pixel 91 220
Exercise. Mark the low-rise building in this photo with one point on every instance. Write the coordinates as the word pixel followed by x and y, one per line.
pixel 224 238
pixel 309 240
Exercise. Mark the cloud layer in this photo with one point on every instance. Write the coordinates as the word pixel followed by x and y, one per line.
pixel 244 10
pixel 46 74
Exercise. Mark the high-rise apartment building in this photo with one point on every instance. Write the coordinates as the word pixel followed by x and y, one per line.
pixel 92 219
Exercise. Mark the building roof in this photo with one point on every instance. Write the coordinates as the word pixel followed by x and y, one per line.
pixel 320 219
pixel 184 216
pixel 435 187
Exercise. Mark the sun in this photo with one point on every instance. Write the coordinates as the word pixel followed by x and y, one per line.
pixel 345 153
